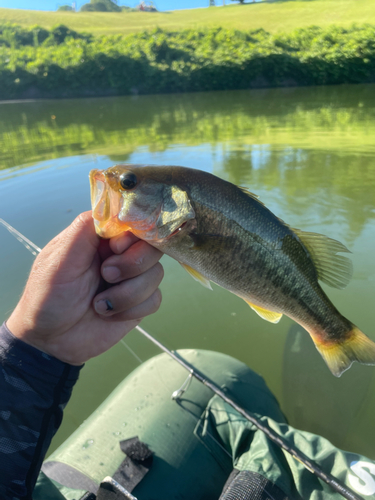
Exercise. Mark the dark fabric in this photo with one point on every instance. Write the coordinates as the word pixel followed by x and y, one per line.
pixel 246 485
pixel 230 479
pixel 34 390
pixel 136 464
pixel 88 496
pixel 135 449
pixel 69 476
pixel 110 490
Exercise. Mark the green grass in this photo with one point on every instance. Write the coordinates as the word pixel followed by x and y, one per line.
pixel 277 16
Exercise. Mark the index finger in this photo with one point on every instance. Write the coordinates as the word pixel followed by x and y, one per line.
pixel 135 260
pixel 122 242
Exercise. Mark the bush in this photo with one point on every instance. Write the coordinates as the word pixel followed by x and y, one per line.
pixel 15 36
pixel 65 8
pixel 71 64
pixel 60 32
pixel 12 35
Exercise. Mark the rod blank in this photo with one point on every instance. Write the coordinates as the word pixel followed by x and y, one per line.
pixel 272 435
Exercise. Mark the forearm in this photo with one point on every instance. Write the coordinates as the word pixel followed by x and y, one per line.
pixel 34 389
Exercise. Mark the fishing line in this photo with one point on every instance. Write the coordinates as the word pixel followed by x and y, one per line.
pixel 273 436
pixel 21 238
pixel 131 350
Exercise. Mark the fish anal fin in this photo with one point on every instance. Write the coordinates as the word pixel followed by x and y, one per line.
pixel 340 355
pixel 334 270
pixel 271 316
pixel 197 276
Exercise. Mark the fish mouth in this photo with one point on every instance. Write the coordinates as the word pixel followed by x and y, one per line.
pixel 106 204
pixel 99 196
pixel 176 231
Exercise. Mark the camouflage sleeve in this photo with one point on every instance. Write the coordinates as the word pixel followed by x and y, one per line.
pixel 34 389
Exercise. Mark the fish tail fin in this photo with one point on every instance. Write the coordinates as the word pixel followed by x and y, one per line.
pixel 340 355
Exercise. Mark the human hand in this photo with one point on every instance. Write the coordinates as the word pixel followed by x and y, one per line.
pixel 67 309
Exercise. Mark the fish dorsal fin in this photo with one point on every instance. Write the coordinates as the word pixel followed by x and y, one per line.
pixel 272 317
pixel 334 270
pixel 256 198
pixel 250 194
pixel 197 276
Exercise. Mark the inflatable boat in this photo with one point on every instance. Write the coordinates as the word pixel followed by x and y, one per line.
pixel 163 436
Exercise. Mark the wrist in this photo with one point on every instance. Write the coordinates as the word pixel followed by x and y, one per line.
pixel 25 331
pixel 19 329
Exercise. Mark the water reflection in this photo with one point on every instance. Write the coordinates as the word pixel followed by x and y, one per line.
pixel 41 129
pixel 341 184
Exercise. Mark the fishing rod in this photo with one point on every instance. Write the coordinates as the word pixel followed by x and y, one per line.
pixel 273 436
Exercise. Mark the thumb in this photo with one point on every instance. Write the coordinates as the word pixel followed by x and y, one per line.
pixel 74 249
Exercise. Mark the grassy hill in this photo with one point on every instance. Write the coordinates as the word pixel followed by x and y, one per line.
pixel 274 16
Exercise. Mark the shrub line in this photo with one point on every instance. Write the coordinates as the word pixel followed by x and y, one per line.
pixel 37 63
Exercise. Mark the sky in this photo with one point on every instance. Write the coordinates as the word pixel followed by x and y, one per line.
pixel 53 4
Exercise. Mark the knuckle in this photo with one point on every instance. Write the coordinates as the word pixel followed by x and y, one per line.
pixel 127 298
pixel 122 298
pixel 139 261
pixel 156 300
pixel 135 262
pixel 159 270
pixel 81 220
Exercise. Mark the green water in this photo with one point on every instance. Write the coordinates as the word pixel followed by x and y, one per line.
pixel 310 156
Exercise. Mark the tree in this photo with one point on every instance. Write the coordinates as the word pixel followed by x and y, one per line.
pixel 65 8
pixel 101 6
pixel 110 4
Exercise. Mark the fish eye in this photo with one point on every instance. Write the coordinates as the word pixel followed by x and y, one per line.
pixel 128 180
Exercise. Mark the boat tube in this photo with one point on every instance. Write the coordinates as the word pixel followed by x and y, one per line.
pixel 195 447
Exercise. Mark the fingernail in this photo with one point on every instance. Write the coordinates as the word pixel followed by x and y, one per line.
pixel 103 306
pixel 111 273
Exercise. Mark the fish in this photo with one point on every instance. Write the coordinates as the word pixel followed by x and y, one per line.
pixel 222 233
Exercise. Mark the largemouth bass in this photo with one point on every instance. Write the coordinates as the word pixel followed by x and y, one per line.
pixel 222 233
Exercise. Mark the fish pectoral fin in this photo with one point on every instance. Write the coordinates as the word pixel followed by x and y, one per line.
pixel 197 276
pixel 272 317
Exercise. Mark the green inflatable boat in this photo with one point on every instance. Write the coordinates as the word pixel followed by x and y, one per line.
pixel 142 444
